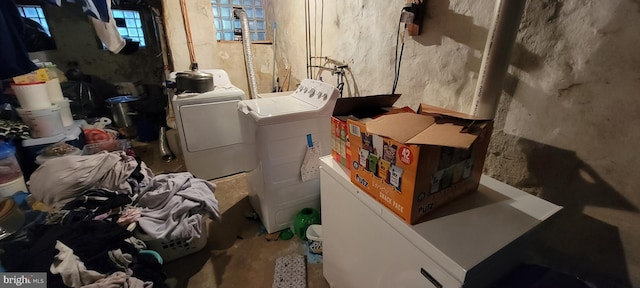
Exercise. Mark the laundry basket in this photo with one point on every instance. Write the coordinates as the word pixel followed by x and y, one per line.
pixel 171 249
pixel 109 146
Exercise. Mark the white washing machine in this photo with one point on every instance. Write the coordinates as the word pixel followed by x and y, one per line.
pixel 211 138
pixel 281 126
pixel 273 94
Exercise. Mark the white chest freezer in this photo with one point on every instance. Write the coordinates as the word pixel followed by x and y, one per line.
pixel 470 242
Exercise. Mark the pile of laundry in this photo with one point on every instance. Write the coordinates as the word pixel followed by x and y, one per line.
pixel 96 205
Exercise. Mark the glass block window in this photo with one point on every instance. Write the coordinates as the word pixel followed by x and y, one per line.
pixel 225 22
pixel 129 25
pixel 34 13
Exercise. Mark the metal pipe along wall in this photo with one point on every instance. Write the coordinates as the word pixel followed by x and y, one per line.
pixel 496 56
pixel 248 56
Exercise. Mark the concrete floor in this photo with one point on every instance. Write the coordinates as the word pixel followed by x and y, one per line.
pixel 237 252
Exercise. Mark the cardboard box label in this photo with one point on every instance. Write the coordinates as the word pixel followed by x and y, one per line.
pixel 354 130
pixel 406 156
pixel 395 178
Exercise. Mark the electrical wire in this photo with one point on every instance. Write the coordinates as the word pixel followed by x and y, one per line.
pixel 307 36
pixel 397 60
pixel 398 70
pixel 315 33
pixel 340 88
pixel 321 26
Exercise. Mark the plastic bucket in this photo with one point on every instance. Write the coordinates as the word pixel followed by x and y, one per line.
pixel 43 122
pixel 54 91
pixel 120 110
pixel 11 187
pixel 32 95
pixel 314 234
pixel 65 112
pixel 11 179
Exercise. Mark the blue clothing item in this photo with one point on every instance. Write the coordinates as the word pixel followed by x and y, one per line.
pixel 13 55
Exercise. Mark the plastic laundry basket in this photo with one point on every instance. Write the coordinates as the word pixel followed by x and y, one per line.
pixel 171 249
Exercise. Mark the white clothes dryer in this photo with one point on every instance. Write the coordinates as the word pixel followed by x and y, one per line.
pixel 281 125
pixel 211 137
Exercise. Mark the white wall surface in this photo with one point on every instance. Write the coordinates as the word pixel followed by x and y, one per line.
pixel 228 56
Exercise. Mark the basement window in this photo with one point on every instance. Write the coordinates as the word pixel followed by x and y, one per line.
pixel 225 22
pixel 129 25
pixel 35 13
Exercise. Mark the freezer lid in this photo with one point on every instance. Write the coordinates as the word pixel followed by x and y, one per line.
pixel 276 106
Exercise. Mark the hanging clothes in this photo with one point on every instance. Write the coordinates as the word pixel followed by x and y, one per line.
pixel 108 31
pixel 99 9
pixel 13 55
pixel 55 2
pixel 99 12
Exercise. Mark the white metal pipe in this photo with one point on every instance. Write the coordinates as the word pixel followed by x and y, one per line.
pixel 496 56
pixel 248 56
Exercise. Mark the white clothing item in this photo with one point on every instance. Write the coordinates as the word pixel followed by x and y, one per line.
pixel 172 205
pixel 137 243
pixel 60 180
pixel 121 260
pixel 71 268
pixel 120 280
pixel 108 32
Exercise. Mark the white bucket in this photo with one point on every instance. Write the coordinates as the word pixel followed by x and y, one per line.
pixel 314 234
pixel 13 186
pixel 65 112
pixel 54 91
pixel 32 95
pixel 43 122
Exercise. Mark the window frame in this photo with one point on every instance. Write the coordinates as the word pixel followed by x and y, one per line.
pixel 142 29
pixel 39 9
pixel 257 22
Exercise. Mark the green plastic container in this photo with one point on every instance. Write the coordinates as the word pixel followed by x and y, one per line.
pixel 303 220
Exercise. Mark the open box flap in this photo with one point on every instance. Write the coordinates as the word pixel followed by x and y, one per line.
pixel 363 107
pixel 410 128
pixel 401 126
pixel 445 134
pixel 434 111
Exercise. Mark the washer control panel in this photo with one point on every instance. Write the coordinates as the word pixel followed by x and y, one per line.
pixel 316 93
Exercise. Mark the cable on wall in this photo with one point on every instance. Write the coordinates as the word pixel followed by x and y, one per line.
pixel 397 59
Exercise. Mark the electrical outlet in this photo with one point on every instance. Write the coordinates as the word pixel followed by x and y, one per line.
pixel 413 16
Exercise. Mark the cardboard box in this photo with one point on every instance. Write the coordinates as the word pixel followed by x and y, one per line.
pixel 414 163
pixel 354 108
pixel 40 75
